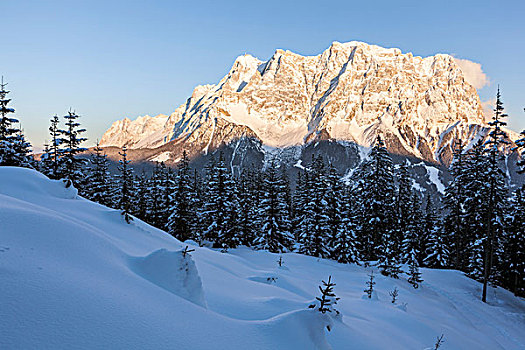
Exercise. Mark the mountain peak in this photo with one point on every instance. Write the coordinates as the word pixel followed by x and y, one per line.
pixel 350 91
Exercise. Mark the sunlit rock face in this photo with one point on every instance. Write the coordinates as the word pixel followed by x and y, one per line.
pixel 350 92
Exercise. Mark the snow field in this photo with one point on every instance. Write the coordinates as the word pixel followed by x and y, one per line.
pixel 73 274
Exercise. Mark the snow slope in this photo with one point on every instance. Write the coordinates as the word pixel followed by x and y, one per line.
pixel 73 274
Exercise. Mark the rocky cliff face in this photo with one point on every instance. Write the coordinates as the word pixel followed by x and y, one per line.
pixel 350 92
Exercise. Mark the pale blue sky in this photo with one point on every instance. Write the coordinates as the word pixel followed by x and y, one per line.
pixel 112 59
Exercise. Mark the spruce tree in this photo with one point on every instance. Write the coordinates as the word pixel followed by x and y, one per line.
pixel 314 227
pixel 454 204
pixel 374 191
pixel 328 299
pixel 22 150
pixel 434 247
pixel 520 146
pixel 155 199
pixel 71 166
pixel 300 197
pixel 181 218
pixel 274 234
pixel 13 147
pixel 496 195
pixel 140 196
pixel 125 186
pixel 52 153
pixel 219 208
pixel 411 243
pixel 342 240
pixel 98 178
pixel 404 207
pixel 248 214
pixel 197 200
pixel 475 211
pixel 513 262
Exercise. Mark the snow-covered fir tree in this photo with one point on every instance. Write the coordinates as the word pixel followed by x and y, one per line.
pixel 513 262
pixel 454 205
pixel 434 246
pixel 404 207
pixel 274 234
pixel 328 299
pixel 341 229
pixel 156 205
pixel 70 164
pixel 314 227
pixel 140 185
pixel 49 164
pixel 99 180
pixel 14 149
pixel 411 242
pixel 22 150
pixel 248 204
pixel 300 197
pixel 220 206
pixel 125 186
pixel 497 192
pixel 475 211
pixel 182 214
pixel 374 191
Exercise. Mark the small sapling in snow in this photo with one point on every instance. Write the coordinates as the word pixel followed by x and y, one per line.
pixel 394 295
pixel 187 251
pixel 370 285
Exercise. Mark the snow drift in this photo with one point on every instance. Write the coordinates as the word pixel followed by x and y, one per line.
pixel 73 274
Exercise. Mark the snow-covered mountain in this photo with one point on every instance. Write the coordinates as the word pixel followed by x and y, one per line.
pixel 75 275
pixel 350 92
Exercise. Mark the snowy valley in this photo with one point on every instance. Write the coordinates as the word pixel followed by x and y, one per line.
pixel 74 274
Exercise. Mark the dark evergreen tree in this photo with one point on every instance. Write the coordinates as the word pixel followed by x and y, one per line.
pixel 513 262
pixel 156 203
pixel 125 186
pixel 220 206
pixel 341 228
pixel 411 243
pixel 374 191
pixel 248 214
pixel 52 153
pixel 314 227
pixel 198 191
pixel 433 245
pixel 414 275
pixel 300 198
pixel 274 233
pixel 475 211
pixel 182 214
pixel 328 299
pixel 140 195
pixel 99 179
pixel 454 226
pixel 497 193
pixel 71 166
pixel 520 146
pixel 14 150
pixel 22 150
pixel 404 209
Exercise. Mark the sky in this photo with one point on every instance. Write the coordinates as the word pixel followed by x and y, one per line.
pixel 113 59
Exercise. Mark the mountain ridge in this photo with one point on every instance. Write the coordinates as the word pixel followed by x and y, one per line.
pixel 351 91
